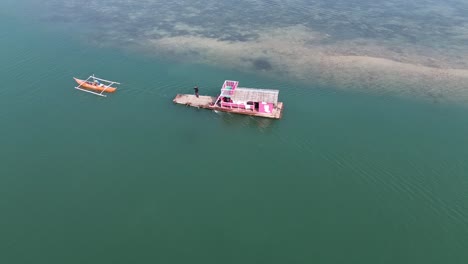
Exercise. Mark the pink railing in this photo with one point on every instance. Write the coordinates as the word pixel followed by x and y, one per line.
pixel 233 85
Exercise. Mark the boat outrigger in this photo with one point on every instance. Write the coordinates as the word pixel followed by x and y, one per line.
pixel 95 85
pixel 234 99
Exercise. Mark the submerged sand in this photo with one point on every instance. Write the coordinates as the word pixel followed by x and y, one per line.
pixel 299 53
pixel 397 47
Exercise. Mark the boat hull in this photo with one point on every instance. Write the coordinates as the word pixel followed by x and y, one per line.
pixel 276 114
pixel 96 88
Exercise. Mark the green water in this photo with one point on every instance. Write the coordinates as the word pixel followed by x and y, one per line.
pixel 132 178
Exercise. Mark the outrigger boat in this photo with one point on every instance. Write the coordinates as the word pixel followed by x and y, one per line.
pixel 234 99
pixel 95 85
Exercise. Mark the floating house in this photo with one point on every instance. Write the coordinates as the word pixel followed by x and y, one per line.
pixel 238 100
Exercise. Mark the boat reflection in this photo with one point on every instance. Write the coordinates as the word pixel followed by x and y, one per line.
pixel 236 121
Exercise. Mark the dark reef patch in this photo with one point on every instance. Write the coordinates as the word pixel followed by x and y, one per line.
pixel 262 64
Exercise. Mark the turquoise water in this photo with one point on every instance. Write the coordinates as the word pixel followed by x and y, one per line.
pixel 344 177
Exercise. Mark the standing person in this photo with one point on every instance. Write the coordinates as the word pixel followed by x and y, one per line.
pixel 196 90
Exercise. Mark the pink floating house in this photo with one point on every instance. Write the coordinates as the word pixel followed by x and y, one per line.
pixel 250 101
pixel 234 99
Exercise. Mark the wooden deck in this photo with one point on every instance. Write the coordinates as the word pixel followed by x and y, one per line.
pixel 191 100
pixel 207 101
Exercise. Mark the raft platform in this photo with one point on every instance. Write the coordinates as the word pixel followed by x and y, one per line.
pixel 208 102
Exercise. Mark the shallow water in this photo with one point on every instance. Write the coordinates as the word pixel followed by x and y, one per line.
pixel 415 49
pixel 346 176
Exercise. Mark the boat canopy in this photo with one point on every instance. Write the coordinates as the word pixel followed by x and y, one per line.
pixel 255 95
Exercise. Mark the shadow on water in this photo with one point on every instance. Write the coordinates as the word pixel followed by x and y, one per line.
pixel 234 121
